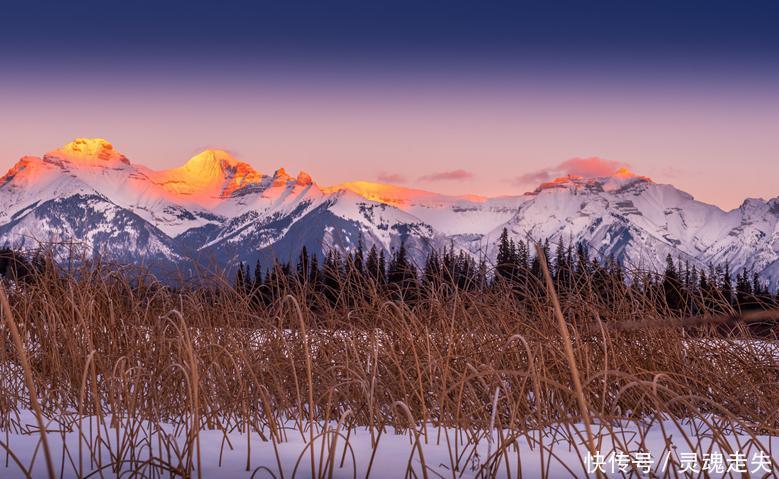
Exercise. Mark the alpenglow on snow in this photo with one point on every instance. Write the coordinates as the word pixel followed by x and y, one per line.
pixel 88 197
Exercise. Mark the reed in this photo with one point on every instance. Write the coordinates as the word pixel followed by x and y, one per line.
pixel 450 367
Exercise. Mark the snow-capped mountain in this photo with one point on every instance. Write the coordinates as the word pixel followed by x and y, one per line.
pixel 88 197
pixel 639 222
pixel 214 209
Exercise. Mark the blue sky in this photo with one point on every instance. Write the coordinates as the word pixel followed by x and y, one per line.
pixel 682 91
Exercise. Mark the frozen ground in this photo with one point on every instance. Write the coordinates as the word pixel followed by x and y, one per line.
pixel 554 452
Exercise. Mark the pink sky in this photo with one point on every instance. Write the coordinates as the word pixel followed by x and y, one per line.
pixel 719 144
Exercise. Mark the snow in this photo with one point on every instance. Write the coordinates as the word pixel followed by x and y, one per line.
pixel 639 222
pixel 625 215
pixel 559 450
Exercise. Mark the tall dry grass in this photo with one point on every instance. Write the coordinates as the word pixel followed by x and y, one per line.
pixel 103 344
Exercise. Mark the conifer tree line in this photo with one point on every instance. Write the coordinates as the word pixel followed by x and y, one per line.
pixel 681 288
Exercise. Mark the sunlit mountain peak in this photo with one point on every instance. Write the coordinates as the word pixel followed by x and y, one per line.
pixel 211 173
pixel 303 179
pixel 619 179
pixel 399 196
pixel 89 151
pixel 625 173
pixel 211 162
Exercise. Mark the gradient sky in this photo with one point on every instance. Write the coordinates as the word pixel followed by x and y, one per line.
pixel 452 96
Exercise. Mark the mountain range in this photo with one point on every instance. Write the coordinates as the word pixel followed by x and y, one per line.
pixel 89 198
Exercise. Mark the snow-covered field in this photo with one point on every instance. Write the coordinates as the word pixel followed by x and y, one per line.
pixel 663 448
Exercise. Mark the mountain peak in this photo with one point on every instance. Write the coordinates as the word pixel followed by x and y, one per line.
pixel 626 174
pixel 217 165
pixel 621 178
pixel 89 151
pixel 280 177
pixel 304 179
pixel 212 173
pixel 27 166
pixel 211 161
pixel 753 204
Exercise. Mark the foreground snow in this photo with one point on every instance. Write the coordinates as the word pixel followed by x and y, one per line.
pixel 653 448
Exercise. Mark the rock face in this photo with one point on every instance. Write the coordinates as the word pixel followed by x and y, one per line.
pixel 216 210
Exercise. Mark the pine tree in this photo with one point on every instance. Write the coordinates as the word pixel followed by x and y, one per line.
pixel 276 280
pixel 397 270
pixel 481 275
pixel 726 288
pixel 313 272
pixel 303 265
pixel 559 262
pixel 582 257
pixel 743 291
pixel 331 276
pixel 535 267
pixel 522 257
pixel 381 270
pixel 372 268
pixel 563 266
pixel 240 279
pixel 672 285
pixel 569 266
pixel 402 275
pixel 432 273
pixel 359 260
pixel 687 276
pixel 257 276
pixel 504 263
pixel 448 265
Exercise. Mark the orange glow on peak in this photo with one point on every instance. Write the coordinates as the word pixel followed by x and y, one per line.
pixel 396 195
pixel 27 166
pixel 382 193
pixel 567 178
pixel 624 173
pixel 280 177
pixel 89 151
pixel 210 161
pixel 304 179
pixel 88 146
pixel 559 182
pixel 208 176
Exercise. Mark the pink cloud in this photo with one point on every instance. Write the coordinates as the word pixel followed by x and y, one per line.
pixel 388 177
pixel 453 175
pixel 590 167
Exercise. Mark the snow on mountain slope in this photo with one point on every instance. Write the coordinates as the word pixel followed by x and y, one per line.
pixel 92 225
pixel 32 179
pixel 308 217
pixel 220 209
pixel 753 241
pixel 639 222
pixel 384 226
pixel 451 215
pixel 93 166
pixel 212 205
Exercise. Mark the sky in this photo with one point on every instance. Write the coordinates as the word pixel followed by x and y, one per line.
pixel 452 96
